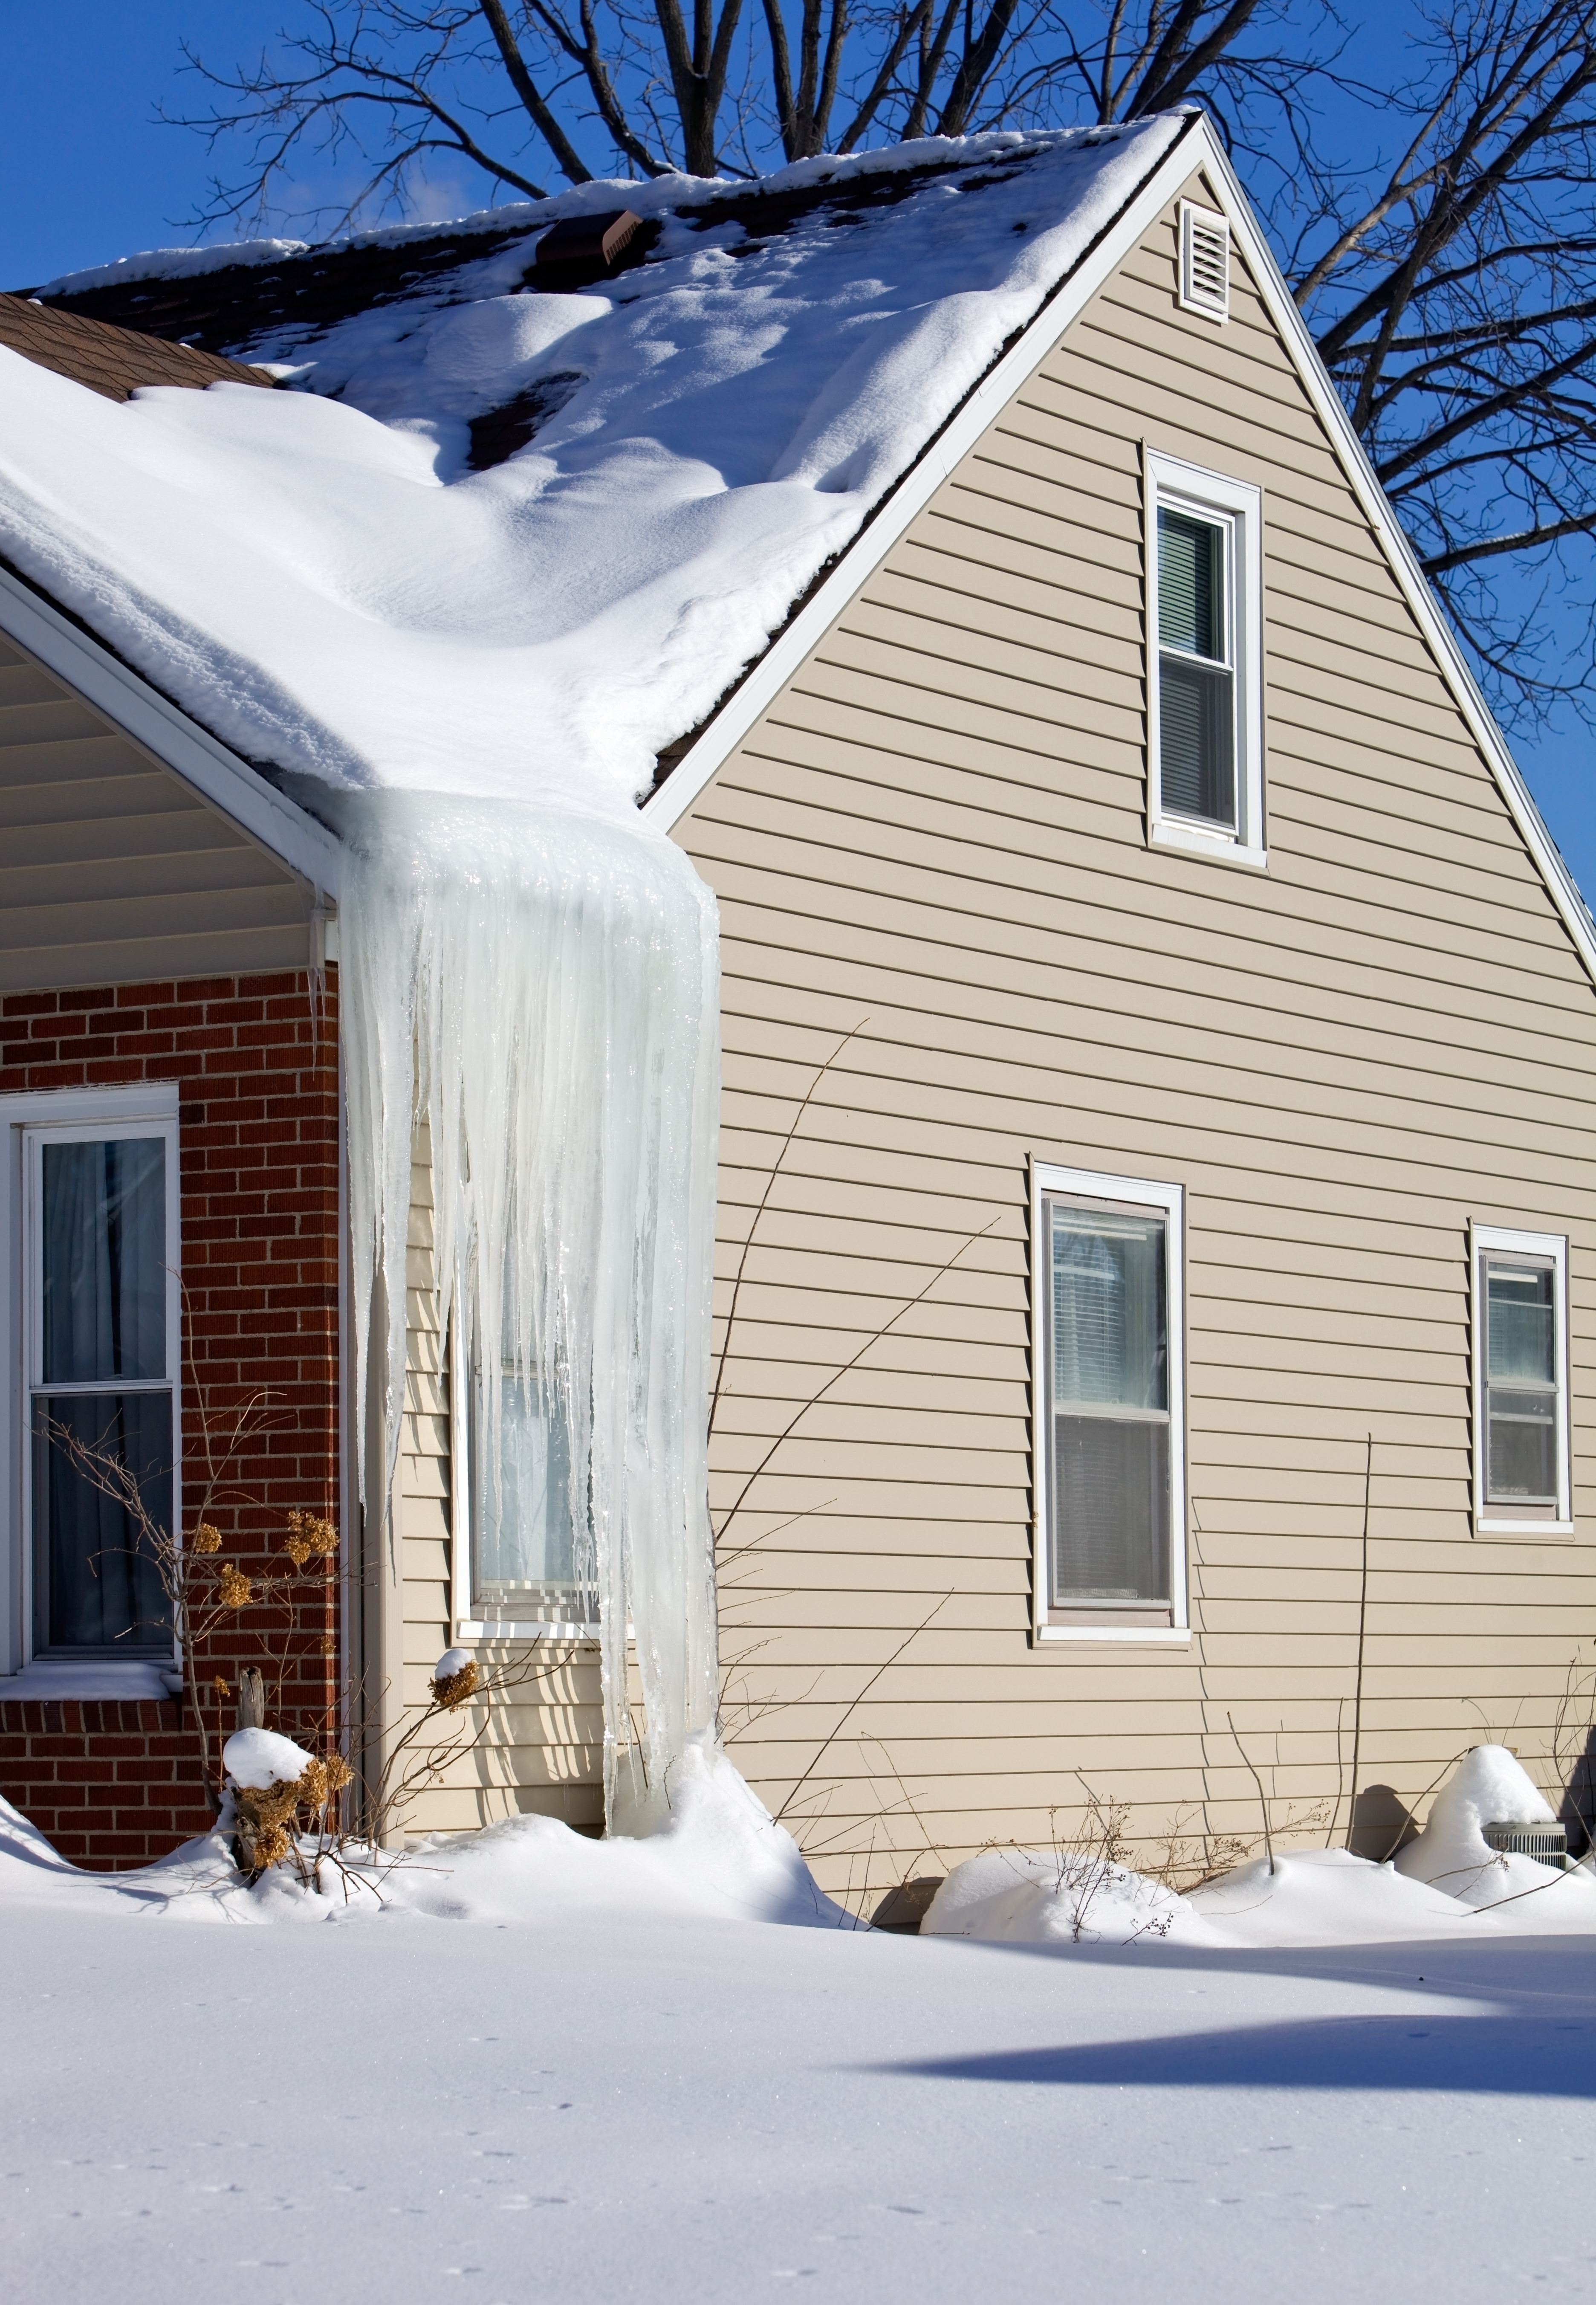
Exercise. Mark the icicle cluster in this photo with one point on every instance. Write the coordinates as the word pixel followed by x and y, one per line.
pixel 541 988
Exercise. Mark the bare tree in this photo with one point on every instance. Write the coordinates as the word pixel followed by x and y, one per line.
pixel 1450 281
pixel 1452 291
pixel 384 86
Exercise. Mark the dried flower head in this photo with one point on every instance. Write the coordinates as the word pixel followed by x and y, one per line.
pixel 233 1588
pixel 329 1647
pixel 208 1537
pixel 313 1784
pixel 272 1846
pixel 220 1686
pixel 453 1692
pixel 338 1772
pixel 316 1535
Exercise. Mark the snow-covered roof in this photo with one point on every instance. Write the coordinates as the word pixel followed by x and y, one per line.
pixel 320 577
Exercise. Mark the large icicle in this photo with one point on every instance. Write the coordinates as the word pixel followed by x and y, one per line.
pixel 542 987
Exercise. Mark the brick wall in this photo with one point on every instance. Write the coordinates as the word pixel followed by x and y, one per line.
pixel 110 1784
pixel 258 1151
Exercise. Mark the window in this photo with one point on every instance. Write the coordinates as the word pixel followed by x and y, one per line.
pixel 1108 1393
pixel 1204 262
pixel 1522 1474
pixel 1205 777
pixel 531 1571
pixel 91 1227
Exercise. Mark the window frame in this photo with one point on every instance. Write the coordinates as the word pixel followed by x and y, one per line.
pixel 1502 1240
pixel 463 1510
pixel 142 1109
pixel 1167 1201
pixel 1237 506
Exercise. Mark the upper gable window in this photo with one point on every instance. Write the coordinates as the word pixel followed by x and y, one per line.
pixel 1205 771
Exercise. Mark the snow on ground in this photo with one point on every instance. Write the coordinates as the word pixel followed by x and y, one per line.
pixel 552 2068
pixel 638 2103
pixel 326 584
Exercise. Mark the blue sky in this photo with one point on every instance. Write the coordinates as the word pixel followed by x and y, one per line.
pixel 87 173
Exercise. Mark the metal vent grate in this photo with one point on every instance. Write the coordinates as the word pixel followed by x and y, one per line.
pixel 1547 1843
pixel 1204 262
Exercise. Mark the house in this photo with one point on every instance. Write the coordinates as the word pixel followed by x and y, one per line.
pixel 1154 1238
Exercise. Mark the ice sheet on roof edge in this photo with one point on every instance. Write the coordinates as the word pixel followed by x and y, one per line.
pixel 536 973
pixel 542 988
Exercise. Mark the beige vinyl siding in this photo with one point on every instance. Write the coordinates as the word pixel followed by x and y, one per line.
pixel 544 1750
pixel 111 871
pixel 933 843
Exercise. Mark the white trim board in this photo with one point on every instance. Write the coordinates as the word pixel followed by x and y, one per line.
pixel 145 716
pixel 1195 149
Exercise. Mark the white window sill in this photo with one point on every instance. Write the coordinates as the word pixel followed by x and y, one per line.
pixel 1172 832
pixel 473 1628
pixel 1163 1636
pixel 1563 1529
pixel 87 1679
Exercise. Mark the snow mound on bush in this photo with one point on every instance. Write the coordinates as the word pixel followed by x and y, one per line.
pixel 1019 1896
pixel 715 1852
pixel 1489 1787
pixel 1324 1896
pixel 256 1758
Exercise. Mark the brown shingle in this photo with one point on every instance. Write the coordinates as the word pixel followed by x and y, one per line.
pixel 114 361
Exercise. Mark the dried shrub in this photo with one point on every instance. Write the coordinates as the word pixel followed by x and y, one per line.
pixel 451 1692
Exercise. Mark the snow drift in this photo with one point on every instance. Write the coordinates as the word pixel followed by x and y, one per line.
pixel 328 586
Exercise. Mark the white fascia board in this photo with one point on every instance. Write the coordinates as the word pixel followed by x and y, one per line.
pixel 110 688
pixel 1415 585
pixel 915 490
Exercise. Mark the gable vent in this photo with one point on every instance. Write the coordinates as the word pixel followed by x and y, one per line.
pixel 1204 262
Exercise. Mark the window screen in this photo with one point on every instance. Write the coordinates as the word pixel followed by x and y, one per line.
pixel 1108 1406
pixel 101 1398
pixel 1521 1381
pixel 1196 678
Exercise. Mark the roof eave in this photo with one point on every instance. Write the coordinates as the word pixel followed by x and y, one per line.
pixel 160 728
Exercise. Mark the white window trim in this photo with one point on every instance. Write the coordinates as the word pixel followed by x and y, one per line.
pixel 73 1110
pixel 1554 1247
pixel 1181 486
pixel 1047 1177
pixel 1193 214
pixel 463 1536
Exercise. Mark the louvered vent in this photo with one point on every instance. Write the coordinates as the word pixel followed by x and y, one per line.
pixel 1204 262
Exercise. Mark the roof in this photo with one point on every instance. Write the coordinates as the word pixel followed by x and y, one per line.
pixel 504 537
pixel 114 361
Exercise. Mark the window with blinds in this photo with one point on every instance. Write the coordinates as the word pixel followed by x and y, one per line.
pixel 1109 1410
pixel 1204 544
pixel 1522 1471
pixel 1196 669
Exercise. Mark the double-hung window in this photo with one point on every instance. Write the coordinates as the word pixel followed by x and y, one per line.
pixel 1109 1405
pixel 93 1230
pixel 530 1567
pixel 1204 674
pixel 1522 1469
